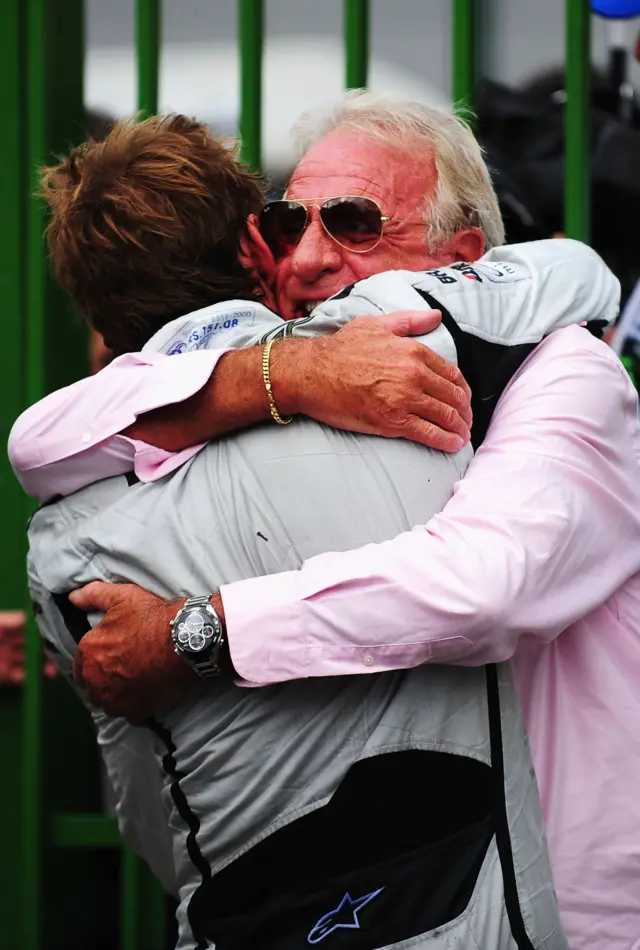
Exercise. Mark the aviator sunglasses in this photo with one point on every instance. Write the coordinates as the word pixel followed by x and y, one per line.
pixel 354 222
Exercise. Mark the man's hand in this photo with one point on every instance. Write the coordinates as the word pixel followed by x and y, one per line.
pixel 127 664
pixel 370 377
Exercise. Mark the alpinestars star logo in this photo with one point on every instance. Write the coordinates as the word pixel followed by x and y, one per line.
pixel 344 917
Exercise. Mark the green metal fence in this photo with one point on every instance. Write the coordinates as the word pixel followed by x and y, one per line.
pixel 59 855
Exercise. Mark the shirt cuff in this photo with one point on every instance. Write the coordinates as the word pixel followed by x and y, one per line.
pixel 254 607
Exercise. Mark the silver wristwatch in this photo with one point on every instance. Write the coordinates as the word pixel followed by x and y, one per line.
pixel 198 635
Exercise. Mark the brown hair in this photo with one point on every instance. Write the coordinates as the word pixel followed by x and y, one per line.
pixel 146 226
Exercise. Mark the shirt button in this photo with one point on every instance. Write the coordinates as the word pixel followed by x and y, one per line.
pixel 87 437
pixel 367 659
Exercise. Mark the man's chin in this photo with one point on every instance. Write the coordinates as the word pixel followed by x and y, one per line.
pixel 300 309
pixel 285 309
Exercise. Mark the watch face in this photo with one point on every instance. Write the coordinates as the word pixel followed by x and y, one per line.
pixel 195 632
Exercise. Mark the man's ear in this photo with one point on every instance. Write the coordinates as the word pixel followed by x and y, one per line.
pixel 467 245
pixel 256 257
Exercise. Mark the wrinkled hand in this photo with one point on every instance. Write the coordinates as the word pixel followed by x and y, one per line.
pixel 371 377
pixel 127 664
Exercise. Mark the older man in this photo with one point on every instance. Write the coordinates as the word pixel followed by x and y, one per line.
pixel 510 568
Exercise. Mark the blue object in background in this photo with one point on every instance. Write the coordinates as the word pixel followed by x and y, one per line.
pixel 616 9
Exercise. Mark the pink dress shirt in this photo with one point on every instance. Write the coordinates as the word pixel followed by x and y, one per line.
pixel 535 559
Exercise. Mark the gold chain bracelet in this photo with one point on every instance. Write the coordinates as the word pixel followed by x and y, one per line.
pixel 266 376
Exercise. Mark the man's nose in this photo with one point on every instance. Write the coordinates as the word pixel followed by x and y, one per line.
pixel 316 253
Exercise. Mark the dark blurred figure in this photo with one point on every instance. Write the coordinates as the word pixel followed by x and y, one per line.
pixel 522 131
pixel 97 124
pixel 605 92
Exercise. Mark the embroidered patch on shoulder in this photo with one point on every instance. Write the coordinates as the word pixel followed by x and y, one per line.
pixel 197 334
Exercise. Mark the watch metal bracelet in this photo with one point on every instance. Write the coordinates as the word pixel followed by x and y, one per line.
pixel 203 600
pixel 205 669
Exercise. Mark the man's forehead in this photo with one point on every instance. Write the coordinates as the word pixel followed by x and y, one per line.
pixel 346 163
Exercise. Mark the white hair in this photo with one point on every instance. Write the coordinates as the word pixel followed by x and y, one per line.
pixel 464 195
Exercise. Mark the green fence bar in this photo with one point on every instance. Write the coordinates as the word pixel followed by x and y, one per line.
pixel 13 547
pixel 153 910
pixel 356 40
pixel 84 831
pixel 36 155
pixel 56 340
pixel 142 910
pixel 148 16
pixel 463 52
pixel 129 898
pixel 54 354
pixel 577 134
pixel 251 36
pixel 35 53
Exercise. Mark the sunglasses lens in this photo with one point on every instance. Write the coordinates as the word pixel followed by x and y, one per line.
pixel 356 223
pixel 282 224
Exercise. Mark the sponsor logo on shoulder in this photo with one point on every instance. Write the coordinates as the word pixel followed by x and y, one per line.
pixel 500 272
pixel 468 271
pixel 197 335
pixel 443 277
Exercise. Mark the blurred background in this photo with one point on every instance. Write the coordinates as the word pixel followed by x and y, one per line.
pixel 410 54
pixel 553 86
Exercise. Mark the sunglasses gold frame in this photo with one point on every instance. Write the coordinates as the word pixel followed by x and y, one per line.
pixel 307 203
